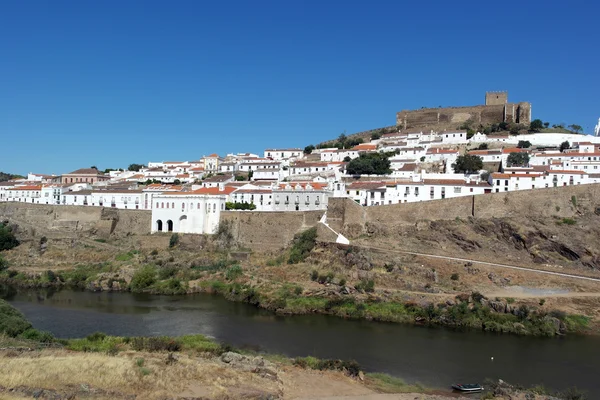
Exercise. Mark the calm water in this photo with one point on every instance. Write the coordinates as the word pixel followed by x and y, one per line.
pixel 435 357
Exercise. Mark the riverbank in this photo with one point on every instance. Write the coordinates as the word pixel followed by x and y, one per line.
pixel 307 278
pixel 101 366
pixel 227 279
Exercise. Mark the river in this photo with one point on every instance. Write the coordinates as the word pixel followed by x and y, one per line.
pixel 432 356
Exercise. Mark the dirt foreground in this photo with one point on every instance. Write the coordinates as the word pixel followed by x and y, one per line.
pixel 64 374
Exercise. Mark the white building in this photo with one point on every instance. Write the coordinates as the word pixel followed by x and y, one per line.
pixel 197 211
pixel 25 194
pixel 301 196
pixel 454 137
pixel 283 154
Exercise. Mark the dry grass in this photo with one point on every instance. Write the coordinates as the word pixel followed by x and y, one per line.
pixel 152 379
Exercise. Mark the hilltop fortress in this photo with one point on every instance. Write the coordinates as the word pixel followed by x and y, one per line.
pixel 495 110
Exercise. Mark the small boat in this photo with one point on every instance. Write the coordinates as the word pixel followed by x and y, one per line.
pixel 468 387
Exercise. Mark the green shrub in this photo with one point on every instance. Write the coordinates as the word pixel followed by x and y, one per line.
pixel 314 275
pixel 298 290
pixel 37 336
pixel 174 240
pixel 166 272
pixel 143 278
pixel 303 245
pixel 454 276
pixel 7 238
pixel 366 285
pixel 3 263
pixel 159 343
pixel 233 272
pixel 154 252
pixel 96 336
pixel 342 282
pixel 124 256
pixel 568 221
pixel 12 322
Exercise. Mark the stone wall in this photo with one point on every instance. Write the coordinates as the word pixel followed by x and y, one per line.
pixel 70 221
pixel 353 220
pixel 269 231
pixel 453 117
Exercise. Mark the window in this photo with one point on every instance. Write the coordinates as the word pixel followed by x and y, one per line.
pixel 167 205
pixel 214 208
pixel 457 189
pixel 431 192
pixel 506 182
pixel 443 193
pixel 416 191
pixel 172 205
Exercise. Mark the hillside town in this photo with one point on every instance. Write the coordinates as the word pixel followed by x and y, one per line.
pixel 188 196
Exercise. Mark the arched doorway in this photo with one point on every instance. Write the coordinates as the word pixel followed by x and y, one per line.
pixel 182 223
pixel 159 226
pixel 170 226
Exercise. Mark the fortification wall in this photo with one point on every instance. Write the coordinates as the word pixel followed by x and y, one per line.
pixel 453 117
pixel 70 221
pixel 269 231
pixel 353 220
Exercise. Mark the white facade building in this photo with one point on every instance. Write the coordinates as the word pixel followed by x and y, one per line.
pixel 198 211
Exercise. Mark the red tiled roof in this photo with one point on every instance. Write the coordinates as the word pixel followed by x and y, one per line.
pixel 365 146
pixel 509 150
pixel 33 187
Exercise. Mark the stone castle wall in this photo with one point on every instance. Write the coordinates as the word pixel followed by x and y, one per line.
pixel 453 117
pixel 271 231
pixel 353 220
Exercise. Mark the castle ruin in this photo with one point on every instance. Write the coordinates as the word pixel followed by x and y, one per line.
pixel 496 109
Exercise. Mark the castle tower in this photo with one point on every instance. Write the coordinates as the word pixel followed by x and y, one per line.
pixel 496 98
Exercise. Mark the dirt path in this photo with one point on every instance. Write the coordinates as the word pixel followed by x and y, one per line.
pixel 539 271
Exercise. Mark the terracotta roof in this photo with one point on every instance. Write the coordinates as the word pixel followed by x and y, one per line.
pixel 218 178
pixel 509 150
pixel 499 175
pixel 213 155
pixel 485 152
pixel 407 167
pixel 365 147
pixel 85 171
pixel 567 172
pixel 34 187
pixel 308 164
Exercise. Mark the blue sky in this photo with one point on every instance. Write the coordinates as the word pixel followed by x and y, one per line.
pixel 117 82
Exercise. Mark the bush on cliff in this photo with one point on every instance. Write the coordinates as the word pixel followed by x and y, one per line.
pixel 7 238
pixel 303 245
pixel 143 278
pixel 14 324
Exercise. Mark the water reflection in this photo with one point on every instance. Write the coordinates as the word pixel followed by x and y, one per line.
pixel 433 356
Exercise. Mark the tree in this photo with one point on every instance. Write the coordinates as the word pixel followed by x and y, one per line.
pixel 347 159
pixel 369 164
pixel 309 149
pixel 376 135
pixel 517 160
pixel 482 146
pixel 575 128
pixel 177 182
pixel 524 144
pixel 7 238
pixel 94 167
pixel 467 164
pixel 536 125
pixel 546 125
pixel 135 167
pixel 564 146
